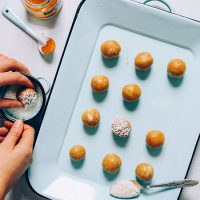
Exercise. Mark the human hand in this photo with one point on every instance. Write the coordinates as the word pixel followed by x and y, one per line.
pixel 10 74
pixel 4 129
pixel 15 154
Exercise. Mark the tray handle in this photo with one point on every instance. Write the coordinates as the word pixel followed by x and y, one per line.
pixel 160 4
pixel 43 81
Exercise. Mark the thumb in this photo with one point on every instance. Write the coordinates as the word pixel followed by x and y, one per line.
pixel 10 103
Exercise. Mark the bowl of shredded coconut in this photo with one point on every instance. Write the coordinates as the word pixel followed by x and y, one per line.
pixel 33 100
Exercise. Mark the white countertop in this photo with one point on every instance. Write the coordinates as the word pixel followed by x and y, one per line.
pixel 15 43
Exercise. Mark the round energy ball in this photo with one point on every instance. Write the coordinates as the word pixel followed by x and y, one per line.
pixel 77 152
pixel 91 118
pixel 155 139
pixel 143 61
pixel 121 127
pixel 111 163
pixel 110 49
pixel 144 172
pixel 131 92
pixel 100 83
pixel 176 68
pixel 26 96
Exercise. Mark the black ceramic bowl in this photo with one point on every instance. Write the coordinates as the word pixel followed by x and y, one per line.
pixel 37 84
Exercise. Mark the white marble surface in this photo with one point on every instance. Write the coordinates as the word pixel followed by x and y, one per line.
pixel 15 43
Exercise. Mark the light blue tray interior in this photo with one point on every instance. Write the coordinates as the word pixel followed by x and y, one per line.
pixel 160 107
pixel 172 107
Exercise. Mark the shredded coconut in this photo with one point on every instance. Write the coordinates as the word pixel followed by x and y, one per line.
pixel 29 110
pixel 124 189
pixel 121 127
pixel 28 98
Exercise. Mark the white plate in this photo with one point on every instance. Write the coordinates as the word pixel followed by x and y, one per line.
pixel 172 107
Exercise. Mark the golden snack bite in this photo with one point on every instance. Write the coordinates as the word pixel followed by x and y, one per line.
pixel 131 92
pixel 143 61
pixel 110 49
pixel 155 139
pixel 100 83
pixel 176 68
pixel 144 171
pixel 91 118
pixel 77 152
pixel 111 163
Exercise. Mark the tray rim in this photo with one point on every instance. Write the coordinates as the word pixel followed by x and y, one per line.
pixel 56 74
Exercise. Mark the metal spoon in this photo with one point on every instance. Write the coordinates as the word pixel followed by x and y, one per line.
pixel 10 15
pixel 130 188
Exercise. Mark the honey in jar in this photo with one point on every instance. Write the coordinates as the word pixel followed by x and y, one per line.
pixel 43 8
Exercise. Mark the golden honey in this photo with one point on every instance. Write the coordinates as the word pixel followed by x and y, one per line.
pixel 49 47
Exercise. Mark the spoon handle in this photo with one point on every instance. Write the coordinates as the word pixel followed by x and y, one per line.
pixel 11 16
pixel 175 184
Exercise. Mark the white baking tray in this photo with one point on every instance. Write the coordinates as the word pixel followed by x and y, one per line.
pixel 171 106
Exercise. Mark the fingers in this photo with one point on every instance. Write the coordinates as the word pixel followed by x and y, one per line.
pixel 2 139
pixel 14 135
pixel 27 138
pixel 2 56
pixel 9 78
pixel 3 131
pixel 8 103
pixel 7 124
pixel 10 64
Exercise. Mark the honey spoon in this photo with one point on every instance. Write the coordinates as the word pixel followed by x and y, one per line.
pixel 41 39
pixel 129 188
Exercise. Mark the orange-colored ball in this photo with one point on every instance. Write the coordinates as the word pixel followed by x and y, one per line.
pixel 144 171
pixel 176 68
pixel 131 92
pixel 77 152
pixel 91 117
pixel 100 83
pixel 155 139
pixel 111 163
pixel 110 49
pixel 143 61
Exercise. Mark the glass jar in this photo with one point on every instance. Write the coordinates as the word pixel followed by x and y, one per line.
pixel 43 9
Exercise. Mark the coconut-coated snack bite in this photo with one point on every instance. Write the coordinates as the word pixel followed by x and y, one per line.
pixel 100 83
pixel 77 152
pixel 91 118
pixel 155 139
pixel 176 68
pixel 143 61
pixel 131 92
pixel 110 49
pixel 121 127
pixel 144 171
pixel 111 163
pixel 26 96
